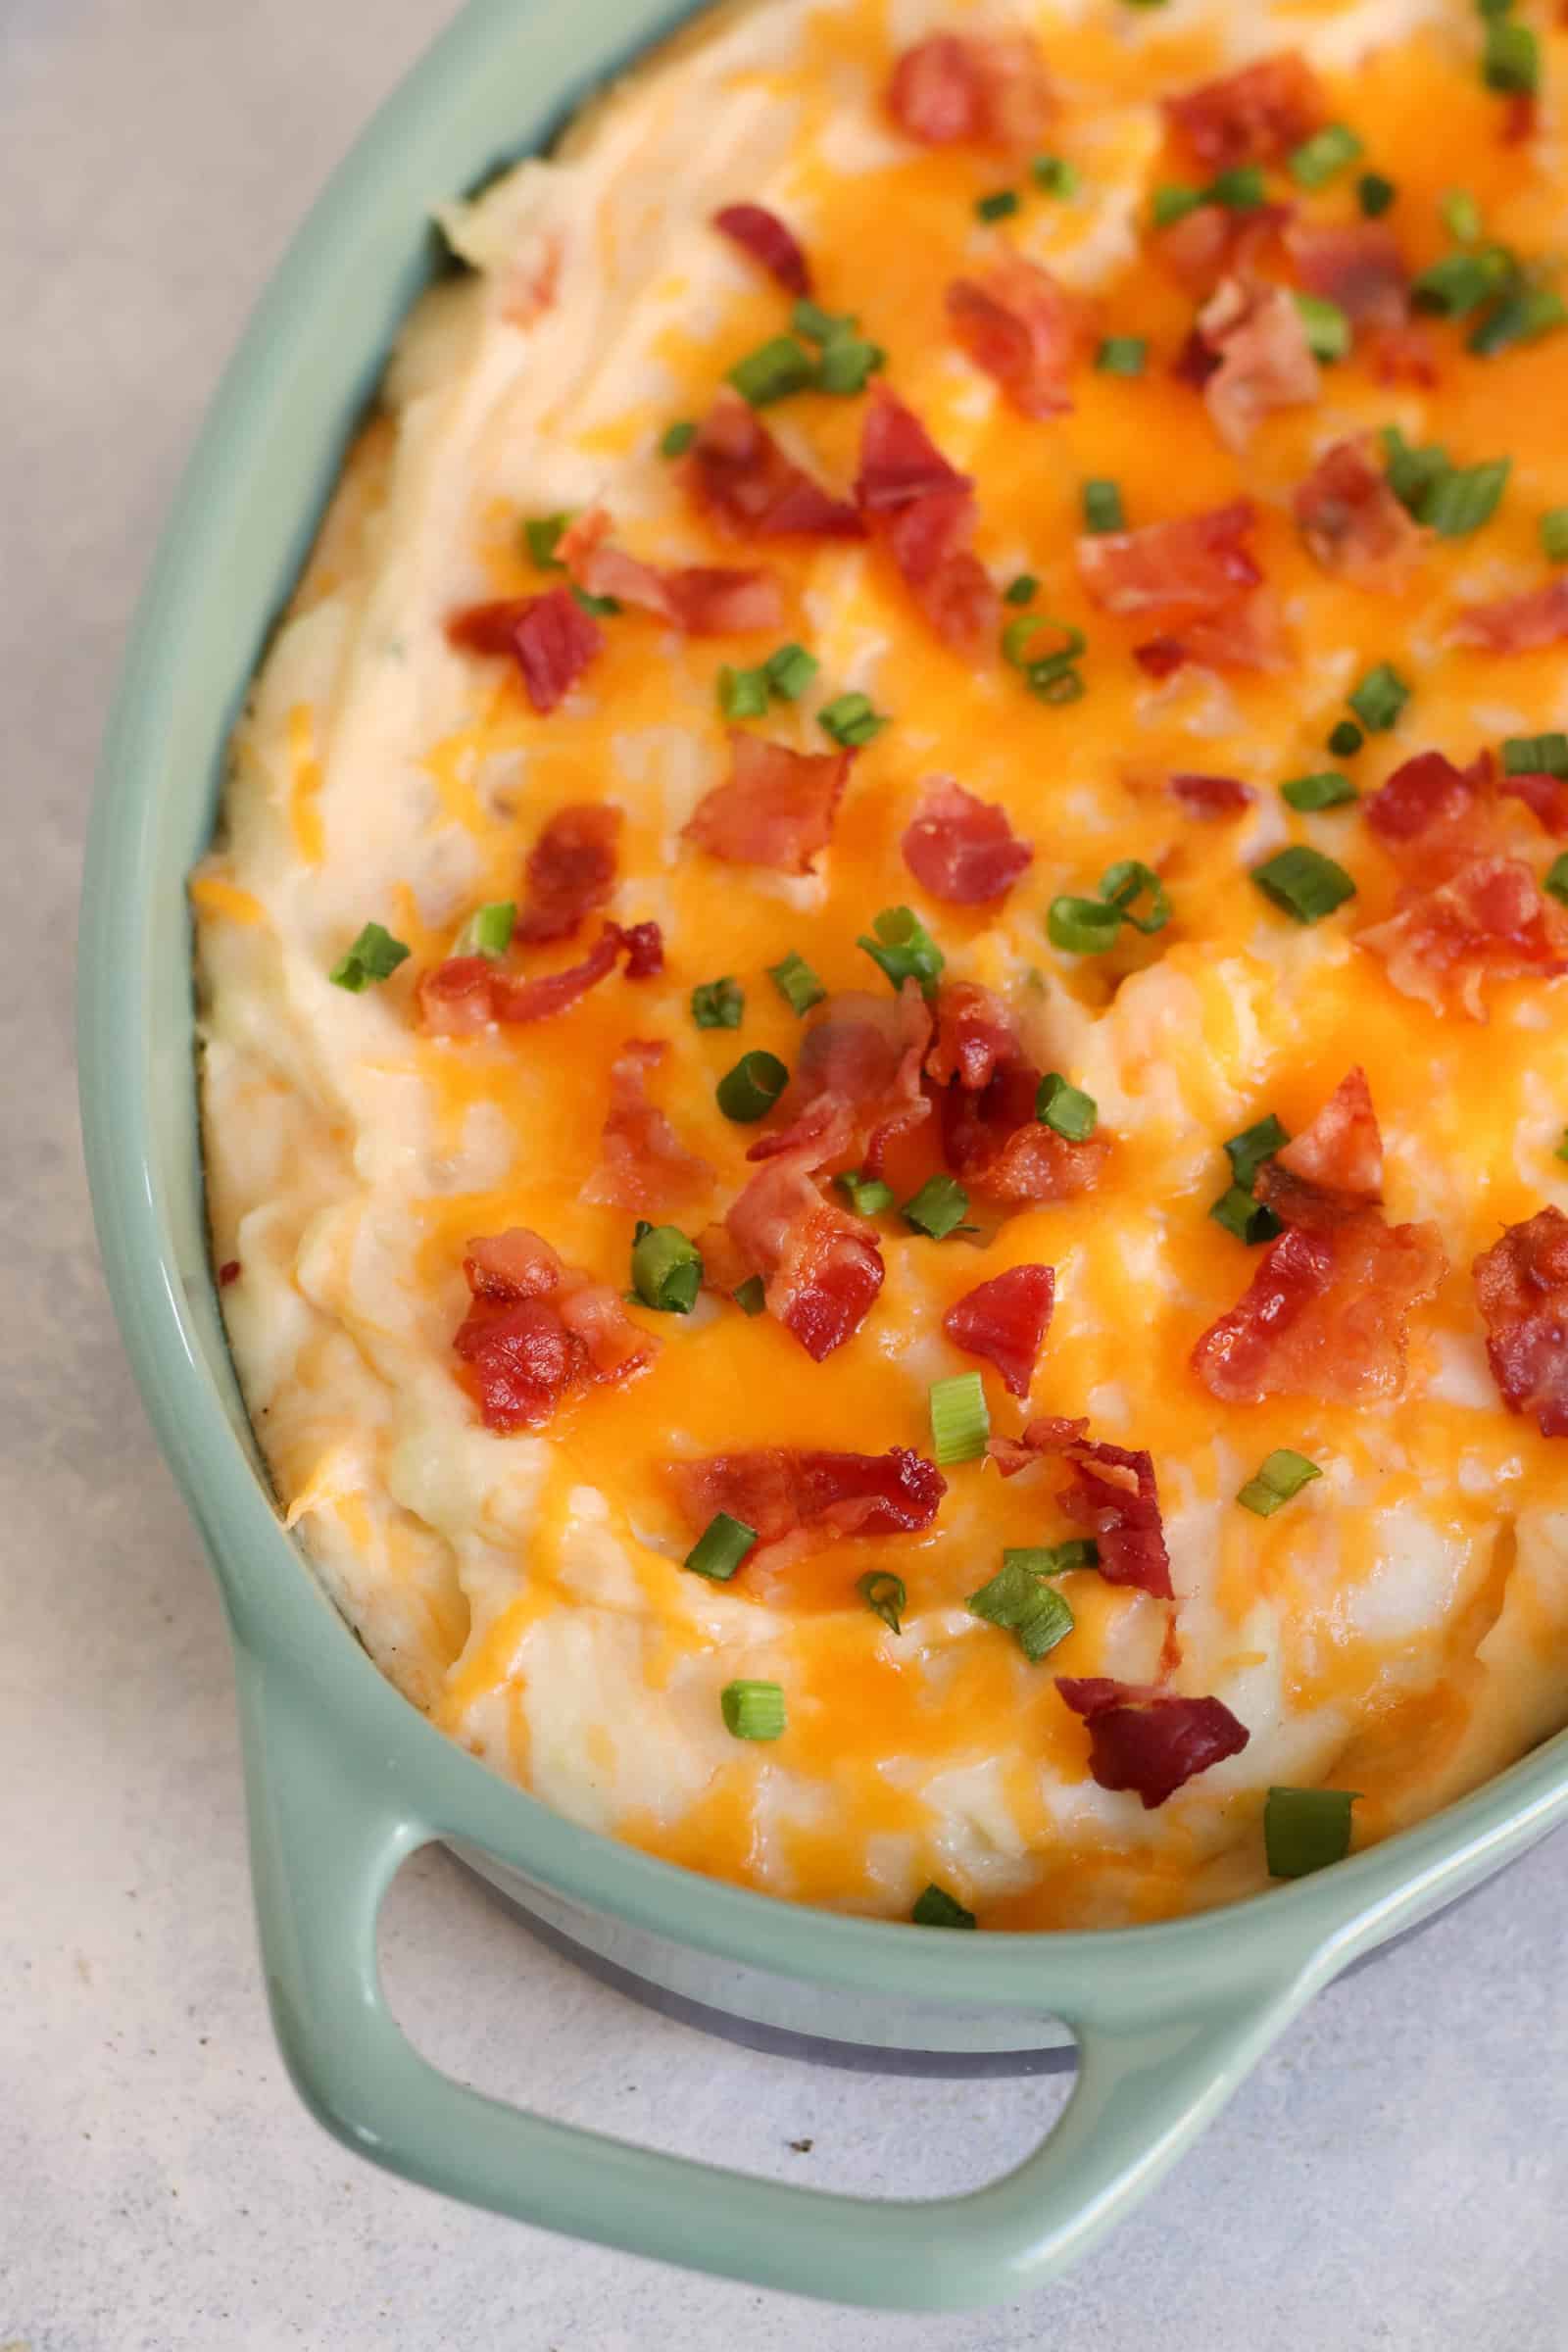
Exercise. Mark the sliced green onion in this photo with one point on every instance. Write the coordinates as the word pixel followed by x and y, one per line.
pixel 1055 174
pixel 1066 1108
pixel 1315 162
pixel 375 955
pixel 847 366
pixel 1379 698
pixel 1374 194
pixel 1309 793
pixel 488 929
pixel 884 1595
pixel 1249 1221
pixel 797 983
pixel 720 1547
pixel 752 1296
pixel 752 1710
pixel 1054 1559
pixel 1306 1830
pixel 1465 499
pixel 1172 203
pixel 1123 884
pixel 1082 926
pixel 1461 215
pixel 1461 281
pixel 1026 587
pixel 1412 472
pixel 937 1908
pixel 1534 756
pixel 1247 1151
pixel 1561 1152
pixel 1519 317
pixel 850 719
pixel 938 1208
pixel 790 671
pixel 1555 879
pixel 1020 1601
pixel 543 533
pixel 677 438
pixel 867 1195
pixel 666 1269
pixel 1103 507
pixel 1510 58
pixel 997 205
pixel 719 1004
pixel 1345 740
pixel 1241 189
pixel 751 1088
pixel 1055 682
pixel 603 608
pixel 742 693
pixel 904 949
pixel 772 371
pixel 960 1421
pixel 1122 354
pixel 1019 638
pixel 1281 1475
pixel 1327 326
pixel 1303 882
pixel 809 318
pixel 1554 528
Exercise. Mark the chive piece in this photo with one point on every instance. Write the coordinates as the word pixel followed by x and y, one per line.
pixel 1510 58
pixel 1306 1830
pixel 1019 635
pixel 1461 281
pixel 1535 755
pixel 742 693
pixel 1103 507
pixel 1554 528
pixel 1056 681
pixel 666 1269
pixel 938 1208
pixel 1019 1600
pixel 809 318
pixel 1412 472
pixel 772 371
pixel 1282 1475
pixel 1123 884
pixel 1379 698
pixel 751 1088
pixel 1315 162
pixel 846 368
pixel 1374 194
pixel 1172 203
pixel 1249 1221
pixel 1555 879
pixel 1066 1108
pixel 1519 317
pixel 1309 793
pixel 1025 587
pixel 677 438
pixel 1055 174
pixel 1122 354
pixel 721 1548
pixel 797 983
pixel 1240 189
pixel 488 929
pixel 851 721
pixel 719 1004
pixel 1327 327
pixel 543 533
pixel 1465 499
pixel 884 1595
pixel 603 608
pixel 752 1710
pixel 1054 1559
pixel 752 1296
pixel 790 671
pixel 961 1423
pixel 1561 1152
pixel 1492 7
pixel 999 204
pixel 1460 216
pixel 867 1195
pixel 1303 882
pixel 937 1908
pixel 375 955
pixel 904 949
pixel 1346 739
pixel 1247 1151
pixel 1082 926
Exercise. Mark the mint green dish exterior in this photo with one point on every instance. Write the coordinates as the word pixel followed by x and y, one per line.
pixel 345 1778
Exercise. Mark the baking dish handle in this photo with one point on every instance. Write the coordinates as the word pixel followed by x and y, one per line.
pixel 326 1842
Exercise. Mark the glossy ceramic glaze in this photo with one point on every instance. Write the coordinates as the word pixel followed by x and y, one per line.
pixel 345 1778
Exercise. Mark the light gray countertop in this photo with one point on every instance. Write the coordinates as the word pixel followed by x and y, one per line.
pixel 1394 2175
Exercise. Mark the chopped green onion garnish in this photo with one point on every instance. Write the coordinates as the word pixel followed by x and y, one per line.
pixel 1025 587
pixel 1303 882
pixel 1345 740
pixel 904 949
pixel 1082 926
pixel 960 1424
pixel 809 318
pixel 752 1710
pixel 375 955
pixel 666 1269
pixel 1019 1600
pixel 1172 203
pixel 1553 527
pixel 1055 174
pixel 1019 635
pixel 751 1088
pixel 1066 1108
pixel 867 1195
pixel 752 1296
pixel 1510 58
pixel 1379 698
pixel 797 983
pixel 1309 793
pixel 488 930
pixel 677 438
pixel 742 693
pixel 1465 499
pixel 790 671
pixel 997 205
pixel 850 719
pixel 1240 189
pixel 1249 1221
pixel 1103 507
pixel 1247 1151
pixel 720 1547
pixel 543 533
pixel 1412 472
pixel 1555 879
pixel 1123 884
pixel 1519 317
pixel 1374 194
pixel 603 608
pixel 937 1908
pixel 719 1004
pixel 772 371
pixel 1282 1475
pixel 1306 1830
pixel 1054 1559
pixel 847 366
pixel 1314 163
pixel 1122 354
pixel 884 1595
pixel 1461 281
pixel 1561 1152
pixel 1534 756
pixel 938 1208
pixel 1461 217
pixel 1328 327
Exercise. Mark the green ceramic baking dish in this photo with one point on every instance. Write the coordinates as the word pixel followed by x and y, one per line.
pixel 346 1778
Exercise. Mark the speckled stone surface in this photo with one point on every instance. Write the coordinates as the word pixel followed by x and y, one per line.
pixel 1395 2176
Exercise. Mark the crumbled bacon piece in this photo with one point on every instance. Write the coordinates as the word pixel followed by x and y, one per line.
pixel 1433 816
pixel 1353 524
pixel 1192 565
pixel 1047 1433
pixel 775 807
pixel 1356 265
pixel 974 1036
pixel 862 1056
pixel 973 89
pixel 962 849
pixel 703 600
pixel 764 236
pixel 1216 241
pixel 991 1135
pixel 229 1272
pixel 738 474
pixel 1265 361
pixel 1025 329
pixel 643 1164
pixel 1149 1740
pixel 537 1330
pixel 823 1268
pixel 1004 1320
pixel 570 870
pixel 1334 1168
pixel 467 992
pixel 1209 797
pixel 1112 1491
pixel 550 637
pixel 1546 797
pixel 1404 354
pixel 1253 117
pixel 1522 1289
pixel 1517 624
pixel 803 1498
pixel 1490 920
pixel 1520 117
pixel 923 510
pixel 490 630
pixel 644 944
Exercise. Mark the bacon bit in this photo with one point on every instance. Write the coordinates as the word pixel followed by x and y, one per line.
pixel 960 849
pixel 1334 1168
pixel 860 1061
pixel 1125 1518
pixel 805 1499
pixel 738 474
pixel 1488 920
pixel 702 600
pixel 570 870
pixel 823 1267
pixel 1005 1320
pixel 1253 117
pixel 1195 362
pixel 1215 242
pixel 644 944
pixel 1520 116
pixel 550 637
pixel 991 1136
pixel 1522 1288
pixel 1353 524
pixel 1427 814
pixel 537 1330
pixel 1265 361
pixel 1404 354
pixel 1545 797
pixel 490 630
pixel 643 1164
pixel 228 1272
pixel 1518 624
pixel 1161 656
pixel 467 992
pixel 1192 565
pixel 923 510
pixel 974 1036
pixel 764 236
pixel 1048 1433
pixel 1357 265
pixel 775 809
pixel 978 89
pixel 1149 1740
pixel 1025 329
pixel 1211 797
